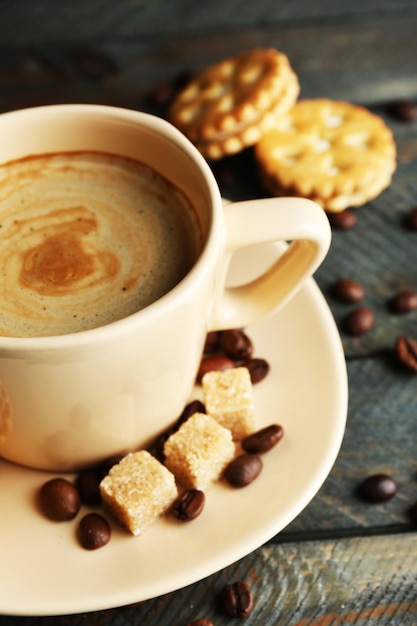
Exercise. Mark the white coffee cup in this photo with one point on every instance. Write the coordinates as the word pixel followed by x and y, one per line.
pixel 71 400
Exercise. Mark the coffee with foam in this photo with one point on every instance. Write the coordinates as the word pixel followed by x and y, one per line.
pixel 86 239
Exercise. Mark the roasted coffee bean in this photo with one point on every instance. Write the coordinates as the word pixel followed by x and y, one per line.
pixel 237 599
pixel 200 622
pixel 404 110
pixel 212 342
pixel 225 174
pixel 215 362
pixel 189 505
pixel 182 79
pixel 59 499
pixel 93 64
pixel 88 486
pixel 377 488
pixel 359 321
pixel 196 406
pixel 411 219
pixel 406 351
pixel 156 448
pixel 258 369
pixel 243 470
pixel 236 344
pixel 263 440
pixel 105 466
pixel 344 220
pixel 348 290
pixel 404 301
pixel 93 531
pixel 413 513
pixel 161 96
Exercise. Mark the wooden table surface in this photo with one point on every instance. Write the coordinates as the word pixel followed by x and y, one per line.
pixel 342 561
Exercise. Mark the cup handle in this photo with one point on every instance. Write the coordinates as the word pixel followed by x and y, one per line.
pixel 299 222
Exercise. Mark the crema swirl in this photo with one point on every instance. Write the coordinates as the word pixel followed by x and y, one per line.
pixel 87 239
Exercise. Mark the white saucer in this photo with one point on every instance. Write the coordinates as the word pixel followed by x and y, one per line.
pixel 43 571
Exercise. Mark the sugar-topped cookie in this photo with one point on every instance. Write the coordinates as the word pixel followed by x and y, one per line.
pixel 229 106
pixel 333 152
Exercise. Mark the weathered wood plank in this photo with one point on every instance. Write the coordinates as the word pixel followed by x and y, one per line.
pixel 380 437
pixel 362 581
pixel 28 23
pixel 365 62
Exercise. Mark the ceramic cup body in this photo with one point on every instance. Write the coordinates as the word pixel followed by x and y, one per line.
pixel 68 401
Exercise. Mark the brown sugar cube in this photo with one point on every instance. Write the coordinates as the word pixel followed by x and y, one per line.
pixel 199 451
pixel 228 399
pixel 137 490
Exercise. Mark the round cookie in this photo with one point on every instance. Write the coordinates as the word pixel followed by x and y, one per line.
pixel 334 152
pixel 230 105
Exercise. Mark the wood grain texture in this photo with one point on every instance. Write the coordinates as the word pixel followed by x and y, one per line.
pixel 366 62
pixel 380 438
pixel 26 23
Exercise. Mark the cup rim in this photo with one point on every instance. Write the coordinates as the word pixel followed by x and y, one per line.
pixel 178 292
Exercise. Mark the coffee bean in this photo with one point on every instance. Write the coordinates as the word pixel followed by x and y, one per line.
pixel 348 290
pixel 93 64
pixel 182 79
pixel 406 352
pixel 104 467
pixel 225 174
pixel 200 622
pixel 156 448
pixel 196 406
pixel 359 321
pixel 404 110
pixel 189 505
pixel 411 219
pixel 59 499
pixel 404 301
pixel 377 488
pixel 93 531
pixel 236 344
pixel 88 486
pixel 243 470
pixel 258 369
pixel 215 362
pixel 212 342
pixel 413 513
pixel 263 440
pixel 161 96
pixel 237 599
pixel 344 220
